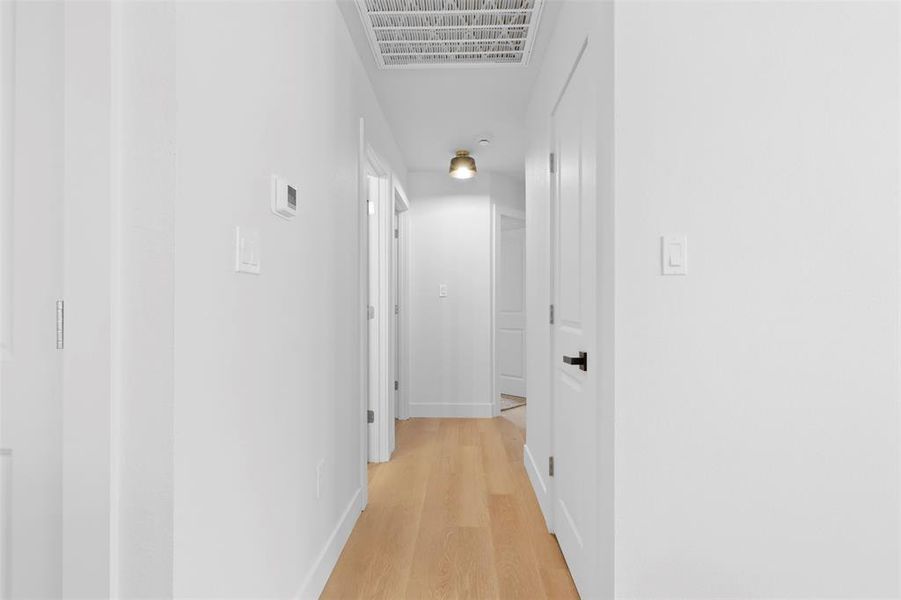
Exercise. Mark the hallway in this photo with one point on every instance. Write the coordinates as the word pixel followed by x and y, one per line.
pixel 451 516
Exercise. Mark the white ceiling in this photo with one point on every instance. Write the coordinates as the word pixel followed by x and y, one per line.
pixel 434 112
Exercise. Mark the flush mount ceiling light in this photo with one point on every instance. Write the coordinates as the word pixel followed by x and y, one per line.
pixel 463 166
pixel 406 34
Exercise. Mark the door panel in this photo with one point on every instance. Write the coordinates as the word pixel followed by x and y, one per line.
pixel 575 390
pixel 510 338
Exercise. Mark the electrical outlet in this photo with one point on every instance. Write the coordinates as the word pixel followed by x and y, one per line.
pixel 320 469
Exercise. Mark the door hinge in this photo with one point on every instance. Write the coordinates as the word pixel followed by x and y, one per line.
pixel 552 162
pixel 397 309
pixel 396 386
pixel 370 416
pixel 550 465
pixel 371 312
pixel 551 311
pixel 395 234
pixel 60 324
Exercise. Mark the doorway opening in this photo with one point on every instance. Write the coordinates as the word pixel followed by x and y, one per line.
pixel 510 315
pixel 383 233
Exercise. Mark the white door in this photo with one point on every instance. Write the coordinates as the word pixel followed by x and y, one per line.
pixel 574 331
pixel 510 337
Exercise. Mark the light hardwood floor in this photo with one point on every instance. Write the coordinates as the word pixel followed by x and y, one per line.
pixel 517 416
pixel 453 515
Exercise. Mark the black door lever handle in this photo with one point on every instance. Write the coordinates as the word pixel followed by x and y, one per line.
pixel 581 361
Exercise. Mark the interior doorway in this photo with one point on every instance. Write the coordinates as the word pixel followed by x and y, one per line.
pixel 384 279
pixel 510 315
pixel 574 357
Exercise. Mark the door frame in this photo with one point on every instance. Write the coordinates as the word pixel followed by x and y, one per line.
pixel 371 164
pixel 402 299
pixel 496 213
pixel 377 447
pixel 363 308
pixel 553 249
pixel 592 53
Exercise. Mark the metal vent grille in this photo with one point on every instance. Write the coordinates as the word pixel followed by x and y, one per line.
pixel 407 34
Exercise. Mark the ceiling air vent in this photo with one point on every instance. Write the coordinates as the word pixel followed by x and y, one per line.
pixel 408 34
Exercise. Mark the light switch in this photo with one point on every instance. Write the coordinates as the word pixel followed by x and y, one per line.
pixel 674 254
pixel 442 290
pixel 247 250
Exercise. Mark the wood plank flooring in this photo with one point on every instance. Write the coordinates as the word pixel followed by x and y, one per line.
pixel 453 515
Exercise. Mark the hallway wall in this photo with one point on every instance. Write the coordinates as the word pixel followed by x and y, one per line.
pixel 265 388
pixel 31 393
pixel 204 400
pixel 450 243
pixel 450 338
pixel 757 397
pixel 756 418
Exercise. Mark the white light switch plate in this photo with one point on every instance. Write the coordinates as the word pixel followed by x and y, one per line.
pixel 442 290
pixel 674 254
pixel 247 250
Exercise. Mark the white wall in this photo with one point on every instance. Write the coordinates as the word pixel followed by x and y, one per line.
pixel 450 338
pixel 89 220
pixel 756 412
pixel 266 380
pixel 188 473
pixel 757 398
pixel 31 388
pixel 145 271
pixel 507 191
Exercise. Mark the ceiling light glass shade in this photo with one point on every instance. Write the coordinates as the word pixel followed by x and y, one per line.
pixel 462 166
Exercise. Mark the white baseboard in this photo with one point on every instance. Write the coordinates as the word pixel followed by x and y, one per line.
pixel 447 409
pixel 540 485
pixel 318 575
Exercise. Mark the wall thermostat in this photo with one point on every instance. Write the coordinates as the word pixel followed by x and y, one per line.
pixel 284 198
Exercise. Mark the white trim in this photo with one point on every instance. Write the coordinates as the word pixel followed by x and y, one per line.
pixel 7 172
pixel 469 410
pixel 400 338
pixel 401 202
pixel 492 319
pixel 404 301
pixel 381 399
pixel 115 246
pixel 898 299
pixel 380 449
pixel 384 416
pixel 318 575
pixel 539 486
pixel 362 316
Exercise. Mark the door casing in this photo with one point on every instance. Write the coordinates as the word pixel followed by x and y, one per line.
pixel 496 216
